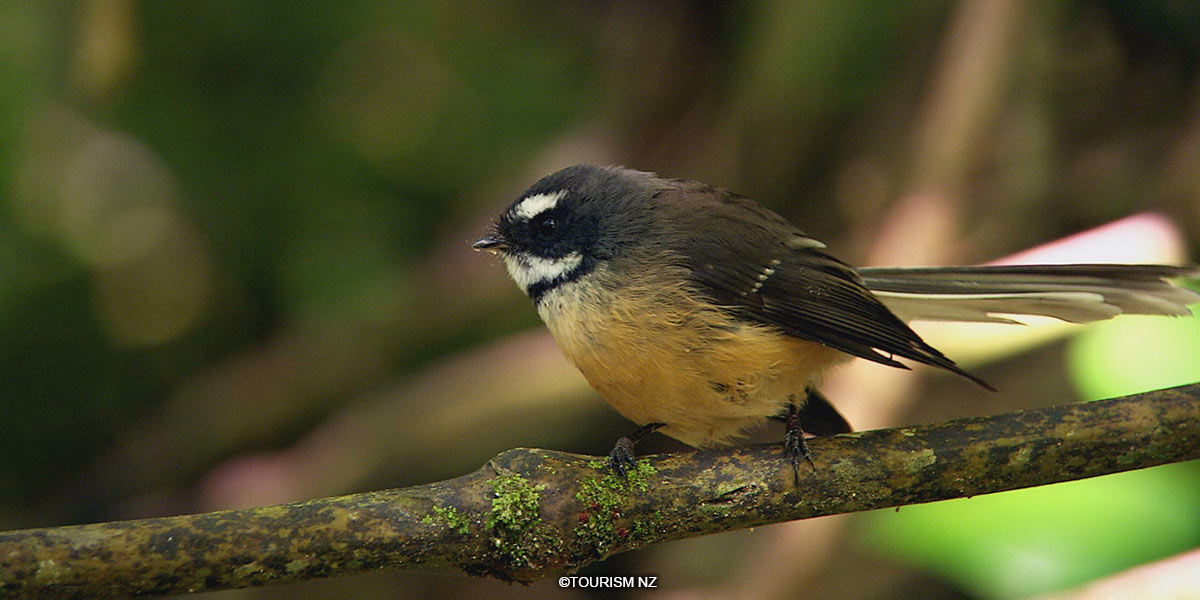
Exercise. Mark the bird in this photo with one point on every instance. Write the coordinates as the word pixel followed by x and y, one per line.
pixel 699 313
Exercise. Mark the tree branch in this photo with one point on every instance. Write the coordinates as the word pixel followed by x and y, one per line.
pixel 529 513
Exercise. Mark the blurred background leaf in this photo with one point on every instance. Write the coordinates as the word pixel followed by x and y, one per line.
pixel 234 262
pixel 1015 544
pixel 1133 355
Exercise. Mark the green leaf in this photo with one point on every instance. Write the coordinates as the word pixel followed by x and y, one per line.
pixel 1134 354
pixel 1037 540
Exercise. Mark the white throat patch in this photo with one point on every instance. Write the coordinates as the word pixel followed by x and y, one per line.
pixel 532 206
pixel 530 270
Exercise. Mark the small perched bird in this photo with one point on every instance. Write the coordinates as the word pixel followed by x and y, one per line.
pixel 699 313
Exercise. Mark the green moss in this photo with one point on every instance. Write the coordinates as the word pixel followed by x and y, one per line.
pixel 648 529
pixel 449 517
pixel 713 511
pixel 518 540
pixel 248 570
pixel 515 503
pixel 602 498
pixel 298 564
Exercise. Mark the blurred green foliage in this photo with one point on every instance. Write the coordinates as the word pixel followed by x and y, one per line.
pixel 1026 542
pixel 1135 354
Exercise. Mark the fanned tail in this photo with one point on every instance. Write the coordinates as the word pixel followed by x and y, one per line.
pixel 1077 293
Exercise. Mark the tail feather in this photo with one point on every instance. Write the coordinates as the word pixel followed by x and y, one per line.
pixel 1073 293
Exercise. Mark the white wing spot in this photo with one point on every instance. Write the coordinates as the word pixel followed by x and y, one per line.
pixel 802 242
pixel 766 273
pixel 532 206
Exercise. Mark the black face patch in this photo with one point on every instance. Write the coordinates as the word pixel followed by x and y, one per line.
pixel 548 226
pixel 570 221
pixel 550 237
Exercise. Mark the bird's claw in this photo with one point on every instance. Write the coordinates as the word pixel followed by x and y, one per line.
pixel 621 459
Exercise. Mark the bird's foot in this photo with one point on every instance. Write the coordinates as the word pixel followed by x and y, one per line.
pixel 794 446
pixel 621 459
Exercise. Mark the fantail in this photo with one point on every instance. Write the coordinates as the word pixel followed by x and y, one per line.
pixel 700 313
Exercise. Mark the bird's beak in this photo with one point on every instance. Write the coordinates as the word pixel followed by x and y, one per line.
pixel 492 243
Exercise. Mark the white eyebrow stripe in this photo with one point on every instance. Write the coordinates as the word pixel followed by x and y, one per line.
pixel 532 206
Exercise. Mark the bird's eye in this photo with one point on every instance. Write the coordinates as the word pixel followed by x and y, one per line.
pixel 544 226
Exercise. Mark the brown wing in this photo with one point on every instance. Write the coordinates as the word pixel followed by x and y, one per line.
pixel 753 261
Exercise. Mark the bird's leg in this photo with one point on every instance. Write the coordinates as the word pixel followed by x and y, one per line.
pixel 794 445
pixel 621 457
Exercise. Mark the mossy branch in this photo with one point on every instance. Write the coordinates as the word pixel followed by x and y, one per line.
pixel 531 513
